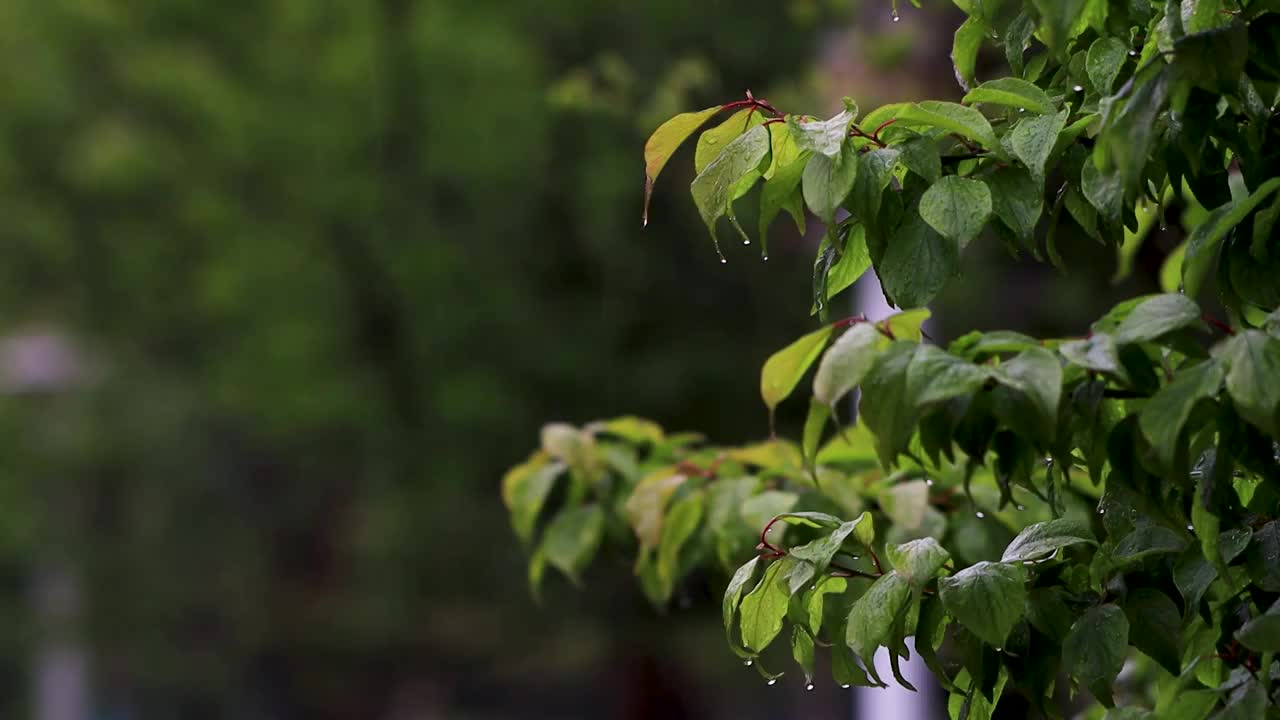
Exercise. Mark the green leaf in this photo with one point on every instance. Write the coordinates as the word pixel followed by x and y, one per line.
pixel 853 262
pixel 1147 540
pixel 953 118
pixel 814 600
pixel 920 156
pixel 965 47
pixel 782 192
pixel 822 137
pixel 1254 378
pixel 714 188
pixel 714 141
pixel 811 519
pixel 935 376
pixel 957 208
pixel 1011 92
pixel 1129 125
pixel 917 263
pixel 905 503
pixel 872 616
pixel 1155 626
pixel 987 598
pixel 888 417
pixel 732 594
pixel 524 489
pixel 572 538
pixel 1213 59
pixel 1157 316
pixel 802 651
pixel 1205 240
pixel 1037 375
pixel 919 561
pixel 1016 38
pixel 1038 541
pixel 645 506
pixel 1103 189
pixel 1096 353
pixel 783 370
pixel 1032 141
pixel 906 325
pixel 847 362
pixel 764 608
pixel 820 551
pixel 1106 57
pixel 814 425
pixel 1262 633
pixel 677 528
pixel 1095 649
pixel 872 178
pixel 827 181
pixel 1016 200
pixel 1059 20
pixel 1162 418
pixel 662 144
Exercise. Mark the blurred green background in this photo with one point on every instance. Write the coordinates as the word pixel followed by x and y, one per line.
pixel 285 285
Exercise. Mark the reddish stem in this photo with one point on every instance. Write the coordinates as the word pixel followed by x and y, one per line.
pixel 876 133
pixel 765 531
pixel 849 321
pixel 855 132
pixel 1215 322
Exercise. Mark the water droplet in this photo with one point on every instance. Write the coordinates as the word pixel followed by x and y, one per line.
pixel 928 481
pixel 979 514
pixel 746 241
pixel 1022 110
pixel 895 16
pixel 747 662
pixel 1021 506
pixel 813 587
pixel 1191 528
pixel 724 260
pixel 1101 510
pixel 765 258
pixel 846 686
pixel 809 687
pixel 1164 228
pixel 1078 88
pixel 1133 53
pixel 772 681
pixel 999 649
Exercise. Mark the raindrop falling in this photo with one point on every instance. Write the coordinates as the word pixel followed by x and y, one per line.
pixel 809 687
pixel 1078 88
pixel 746 241
pixel 747 662
pixel 979 514
pixel 723 260
pixel 845 686
pixel 772 681
pixel 765 258
pixel 895 16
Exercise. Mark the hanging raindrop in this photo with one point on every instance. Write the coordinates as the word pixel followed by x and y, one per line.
pixel 846 686
pixel 809 687
pixel 772 681
pixel 980 514
pixel 747 663
pixel 895 16
pixel 1078 88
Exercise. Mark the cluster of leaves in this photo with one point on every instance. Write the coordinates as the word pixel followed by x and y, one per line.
pixel 1032 512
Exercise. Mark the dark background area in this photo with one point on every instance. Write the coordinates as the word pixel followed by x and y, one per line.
pixel 286 285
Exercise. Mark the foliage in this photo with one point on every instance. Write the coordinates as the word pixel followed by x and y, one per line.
pixel 1042 510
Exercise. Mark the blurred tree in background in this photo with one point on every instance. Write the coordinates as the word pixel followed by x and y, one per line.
pixel 323 272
